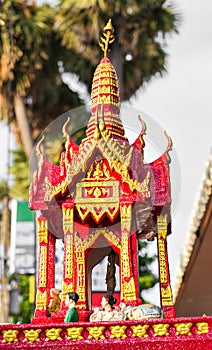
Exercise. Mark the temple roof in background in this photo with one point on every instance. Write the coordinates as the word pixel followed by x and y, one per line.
pixel 193 284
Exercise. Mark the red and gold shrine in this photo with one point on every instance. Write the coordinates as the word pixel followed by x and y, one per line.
pixel 101 199
pixel 99 202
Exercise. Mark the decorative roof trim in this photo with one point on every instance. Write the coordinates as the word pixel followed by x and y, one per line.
pixel 198 212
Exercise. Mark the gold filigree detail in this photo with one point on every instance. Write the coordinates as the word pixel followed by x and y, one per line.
pixel 166 296
pixel 128 291
pixel 53 334
pixel 96 332
pixel 162 261
pixel 10 336
pixel 126 217
pixel 80 267
pixel 78 164
pixel 125 262
pixel 78 241
pixel 118 332
pixel 97 211
pixel 111 237
pixel 88 242
pixel 43 266
pixel 160 329
pixel 84 191
pixel 166 293
pixel 202 327
pixel 140 331
pixel 162 226
pixel 110 148
pixel 32 335
pixel 107 37
pixel 69 258
pixel 74 333
pixel 52 190
pixel 42 230
pixel 41 300
pixel 68 218
pixel 114 150
pixel 98 171
pixel 183 328
pixel 68 228
pixel 97 198
pixel 122 169
pixel 97 192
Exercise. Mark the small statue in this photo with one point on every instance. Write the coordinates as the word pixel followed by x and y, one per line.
pixel 111 273
pixel 125 310
pixel 136 313
pixel 145 311
pixel 108 299
pixel 72 313
pixel 107 313
pixel 97 315
pixel 54 304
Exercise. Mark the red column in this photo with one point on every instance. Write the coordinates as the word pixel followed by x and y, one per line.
pixel 68 264
pixel 41 295
pixel 50 265
pixel 129 293
pixel 135 264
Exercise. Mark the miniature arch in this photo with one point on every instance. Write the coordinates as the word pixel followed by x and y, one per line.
pixel 110 237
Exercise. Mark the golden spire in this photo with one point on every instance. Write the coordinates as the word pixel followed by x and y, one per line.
pixel 107 37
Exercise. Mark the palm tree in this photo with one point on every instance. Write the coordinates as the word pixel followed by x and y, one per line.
pixel 30 51
pixel 32 92
pixel 141 28
pixel 24 36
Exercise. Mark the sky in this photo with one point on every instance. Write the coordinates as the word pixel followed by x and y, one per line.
pixel 181 103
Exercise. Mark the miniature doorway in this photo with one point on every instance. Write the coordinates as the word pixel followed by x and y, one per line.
pixel 98 261
pixel 59 261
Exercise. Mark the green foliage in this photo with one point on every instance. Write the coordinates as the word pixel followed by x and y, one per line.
pixel 20 170
pixel 29 56
pixel 20 183
pixel 141 29
pixel 146 278
pixel 27 27
pixel 35 38
pixel 26 309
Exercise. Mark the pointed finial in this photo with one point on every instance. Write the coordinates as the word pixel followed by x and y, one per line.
pixel 38 147
pixel 107 37
pixel 65 128
pixel 143 131
pixel 169 146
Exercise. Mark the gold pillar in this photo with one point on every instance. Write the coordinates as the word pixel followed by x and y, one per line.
pixel 68 265
pixel 41 296
pixel 80 276
pixel 164 276
pixel 127 283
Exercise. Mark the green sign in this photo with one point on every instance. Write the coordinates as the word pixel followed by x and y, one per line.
pixel 23 212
